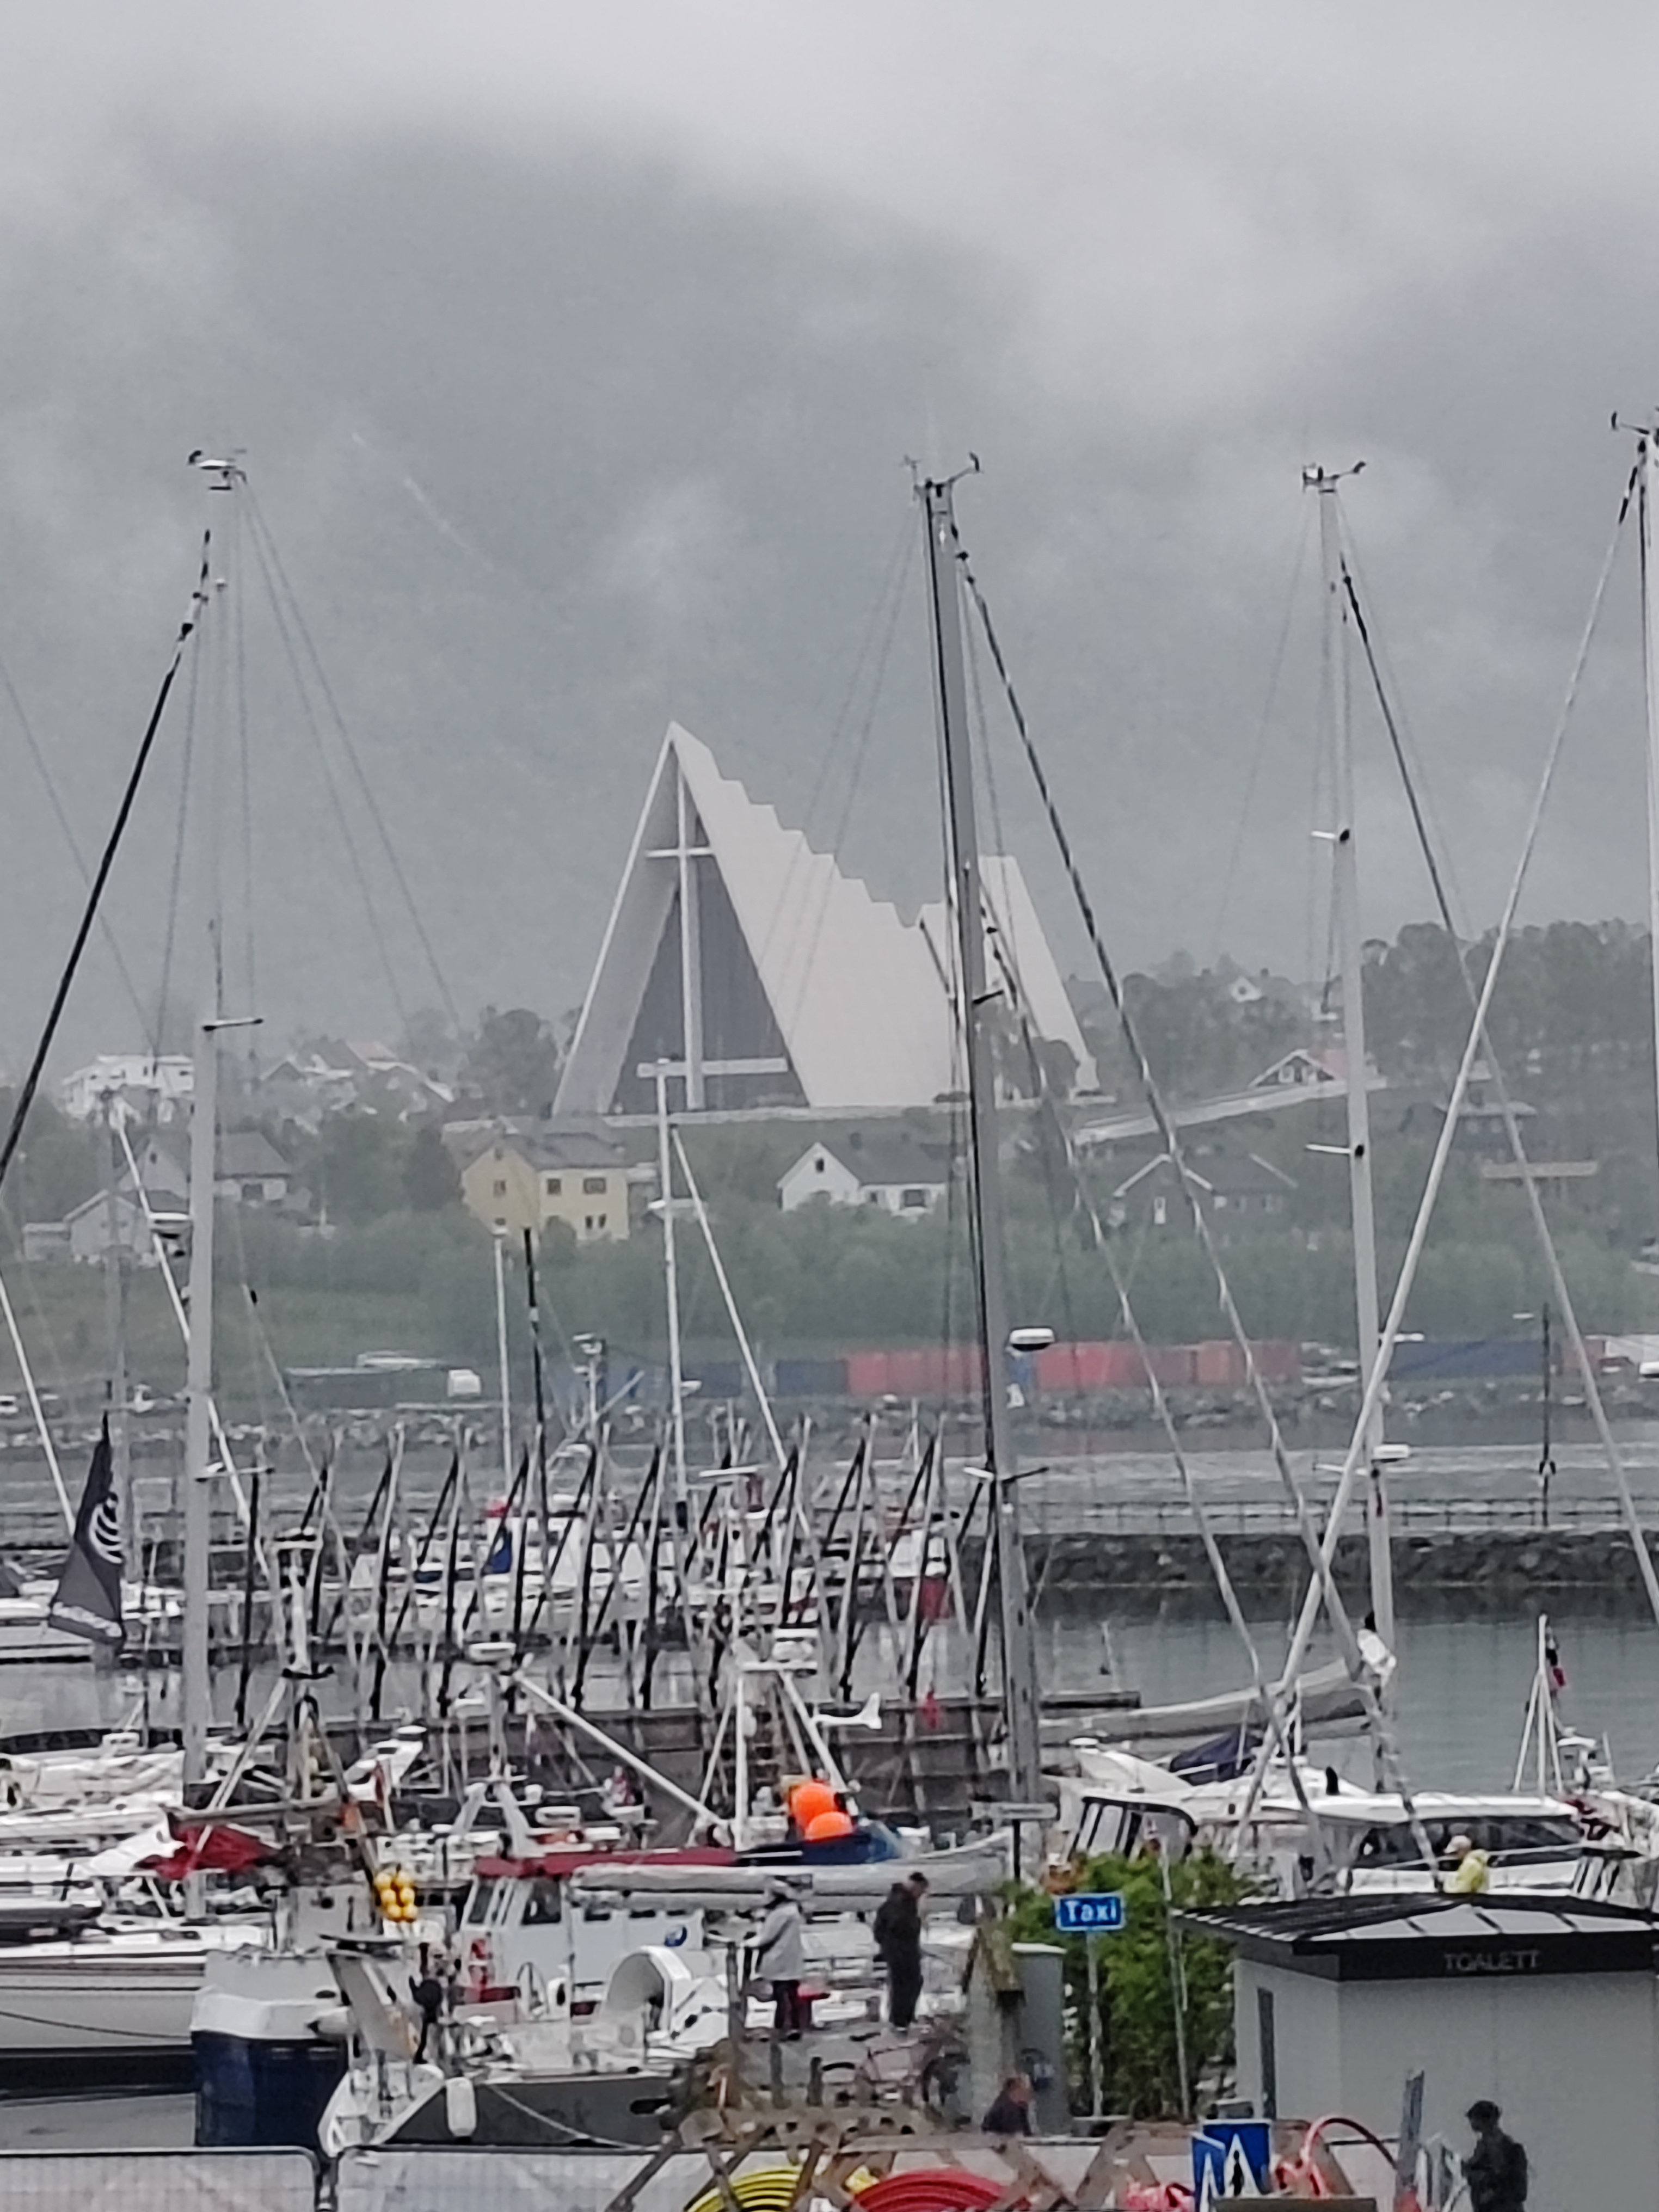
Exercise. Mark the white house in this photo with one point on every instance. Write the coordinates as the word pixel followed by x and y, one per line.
pixel 890 1168
pixel 248 1168
pixel 162 1084
pixel 87 1230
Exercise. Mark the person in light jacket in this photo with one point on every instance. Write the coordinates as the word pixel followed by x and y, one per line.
pixel 780 1958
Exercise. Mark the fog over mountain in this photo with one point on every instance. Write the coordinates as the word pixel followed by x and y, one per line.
pixel 575 355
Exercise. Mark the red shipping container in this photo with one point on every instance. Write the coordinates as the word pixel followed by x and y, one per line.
pixel 926 1372
pixel 866 1374
pixel 1176 1365
pixel 1218 1365
pixel 1072 1370
pixel 1082 1368
pixel 1279 1361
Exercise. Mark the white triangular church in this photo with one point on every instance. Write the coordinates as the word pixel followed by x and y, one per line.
pixel 764 977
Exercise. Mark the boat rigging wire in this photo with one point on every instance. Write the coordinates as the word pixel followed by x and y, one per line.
pixel 154 1026
pixel 31 1084
pixel 261 532
pixel 878 636
pixel 49 783
pixel 1382 1729
pixel 1375 1383
pixel 1278 1732
pixel 307 708
pixel 1559 1289
pixel 1264 727
pixel 43 1427
pixel 1003 951
pixel 1387 674
pixel 175 1299
pixel 244 766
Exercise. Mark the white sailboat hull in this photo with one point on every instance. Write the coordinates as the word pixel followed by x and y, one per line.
pixel 25 1635
pixel 119 1999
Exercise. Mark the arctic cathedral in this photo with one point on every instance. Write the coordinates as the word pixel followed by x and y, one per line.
pixel 764 978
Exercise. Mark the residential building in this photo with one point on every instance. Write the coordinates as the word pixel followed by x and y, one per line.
pixel 1311 1067
pixel 332 1076
pixel 157 1088
pixel 524 1177
pixel 247 1168
pixel 891 1169
pixel 85 1231
pixel 1241 1194
pixel 1482 1132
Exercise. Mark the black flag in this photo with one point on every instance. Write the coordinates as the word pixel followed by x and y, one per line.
pixel 87 1599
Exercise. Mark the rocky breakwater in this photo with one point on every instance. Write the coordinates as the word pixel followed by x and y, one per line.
pixel 1516 1563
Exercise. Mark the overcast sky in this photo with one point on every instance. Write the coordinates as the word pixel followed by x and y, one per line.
pixel 576 351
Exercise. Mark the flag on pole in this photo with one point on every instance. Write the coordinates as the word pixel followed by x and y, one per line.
pixel 1557 1672
pixel 88 1600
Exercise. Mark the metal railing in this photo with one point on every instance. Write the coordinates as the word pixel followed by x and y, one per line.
pixel 1049 1518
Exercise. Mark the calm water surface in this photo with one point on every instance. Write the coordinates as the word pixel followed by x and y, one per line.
pixel 1463 1682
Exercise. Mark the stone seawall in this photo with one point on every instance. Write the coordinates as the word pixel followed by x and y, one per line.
pixel 1521 1562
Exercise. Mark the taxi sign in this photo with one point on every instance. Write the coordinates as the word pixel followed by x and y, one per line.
pixel 1089 1912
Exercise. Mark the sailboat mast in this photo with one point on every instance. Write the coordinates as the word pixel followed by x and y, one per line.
pixel 951 695
pixel 115 1323
pixel 503 1364
pixel 1647 499
pixel 1350 944
pixel 671 1292
pixel 199 1406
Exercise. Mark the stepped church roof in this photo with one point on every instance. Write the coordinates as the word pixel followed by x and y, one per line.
pixel 797 987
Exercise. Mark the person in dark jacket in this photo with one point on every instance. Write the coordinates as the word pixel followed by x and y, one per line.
pixel 1495 2169
pixel 430 1996
pixel 1010 2112
pixel 898 1940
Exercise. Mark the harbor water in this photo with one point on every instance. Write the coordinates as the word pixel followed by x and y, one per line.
pixel 1466 1666
pixel 1462 1694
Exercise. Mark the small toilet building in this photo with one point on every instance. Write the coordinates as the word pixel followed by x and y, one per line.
pixel 1547 2005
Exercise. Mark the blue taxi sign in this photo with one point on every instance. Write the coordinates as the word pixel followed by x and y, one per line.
pixel 1089 1912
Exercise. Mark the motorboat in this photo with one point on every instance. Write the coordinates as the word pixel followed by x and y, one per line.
pixel 1318 1830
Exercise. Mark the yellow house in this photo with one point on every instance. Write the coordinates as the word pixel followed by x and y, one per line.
pixel 517 1181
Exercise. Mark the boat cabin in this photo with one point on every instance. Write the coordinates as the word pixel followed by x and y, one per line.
pixel 521 1919
pixel 1530 1842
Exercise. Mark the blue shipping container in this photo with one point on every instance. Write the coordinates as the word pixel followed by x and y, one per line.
pixel 1465 1359
pixel 809 1378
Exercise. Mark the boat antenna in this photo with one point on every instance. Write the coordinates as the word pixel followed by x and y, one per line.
pixel 977 1006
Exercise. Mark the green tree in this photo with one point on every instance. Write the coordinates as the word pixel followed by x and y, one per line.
pixel 429 1042
pixel 1137 2001
pixel 58 1165
pixel 431 1180
pixel 356 1173
pixel 512 1062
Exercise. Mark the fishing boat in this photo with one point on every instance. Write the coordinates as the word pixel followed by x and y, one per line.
pixel 524 2071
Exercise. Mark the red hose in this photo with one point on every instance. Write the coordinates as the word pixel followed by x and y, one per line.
pixel 930 2189
pixel 1289 2174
